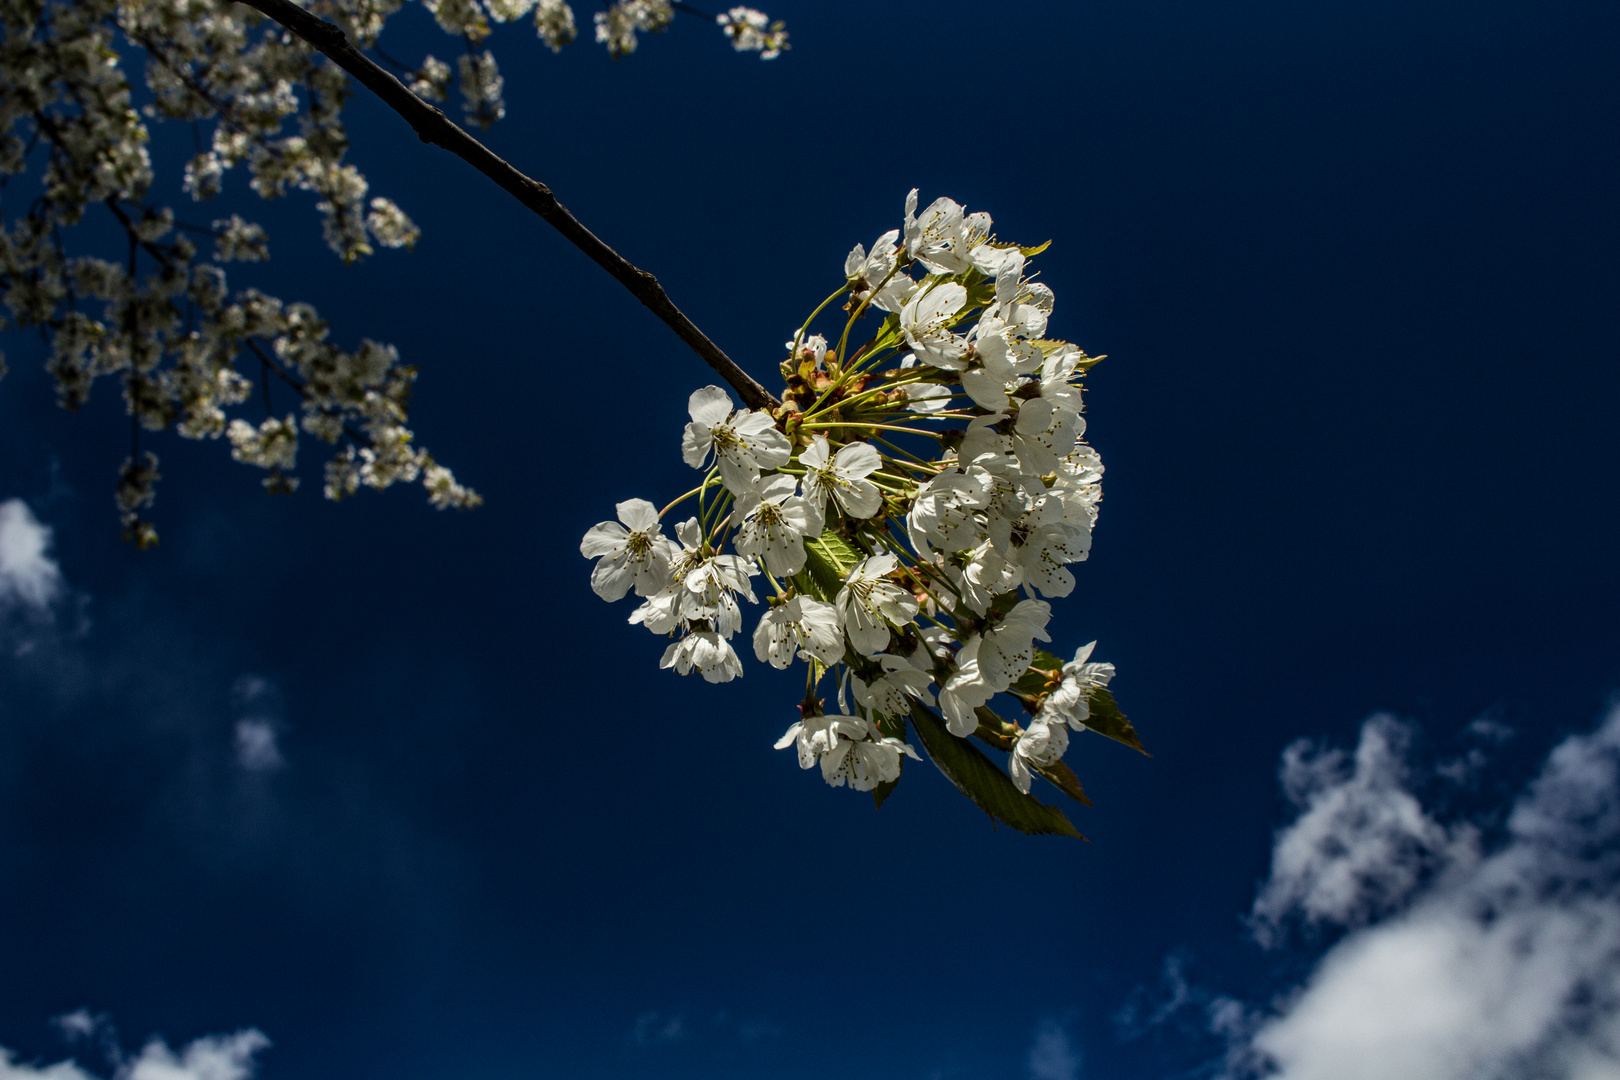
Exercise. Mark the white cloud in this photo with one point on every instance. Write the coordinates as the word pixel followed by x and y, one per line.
pixel 212 1057
pixel 256 749
pixel 257 734
pixel 28 576
pixel 1053 1056
pixel 655 1029
pixel 1361 843
pixel 1499 966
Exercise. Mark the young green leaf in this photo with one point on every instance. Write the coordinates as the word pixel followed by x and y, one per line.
pixel 979 778
pixel 1106 719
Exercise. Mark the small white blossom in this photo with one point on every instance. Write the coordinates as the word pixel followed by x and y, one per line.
pixel 843 477
pixel 775 524
pixel 865 763
pixel 869 604
pixel 1070 703
pixel 1008 646
pixel 635 553
pixel 926 321
pixel 889 688
pixel 802 627
pixel 708 653
pixel 815 736
pixel 271 445
pixel 1038 746
pixel 965 691
pixel 554 22
pixel 743 443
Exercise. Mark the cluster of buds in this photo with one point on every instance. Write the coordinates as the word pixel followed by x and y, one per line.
pixel 913 505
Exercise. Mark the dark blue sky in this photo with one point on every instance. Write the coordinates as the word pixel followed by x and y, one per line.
pixel 1354 267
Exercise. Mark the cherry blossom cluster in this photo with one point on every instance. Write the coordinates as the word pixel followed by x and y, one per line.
pixel 906 514
pixel 155 314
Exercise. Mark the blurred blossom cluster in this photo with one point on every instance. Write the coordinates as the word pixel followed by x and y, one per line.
pixel 156 313
pixel 906 514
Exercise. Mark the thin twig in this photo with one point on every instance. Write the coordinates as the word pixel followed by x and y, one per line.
pixel 433 126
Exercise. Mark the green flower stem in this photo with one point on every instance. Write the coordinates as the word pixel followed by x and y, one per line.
pixel 681 499
pixel 880 427
pixel 861 308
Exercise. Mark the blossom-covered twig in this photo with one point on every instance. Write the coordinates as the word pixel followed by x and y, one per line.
pixel 433 126
pixel 898 502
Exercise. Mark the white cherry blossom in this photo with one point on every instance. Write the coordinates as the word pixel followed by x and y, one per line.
pixel 843 477
pixel 869 604
pixel 926 321
pixel 743 443
pixel 632 554
pixel 1008 645
pixel 802 626
pixel 775 524
pixel 943 513
pixel 1070 703
pixel 1038 746
pixel 706 652
pixel 816 736
pixel 865 763
pixel 888 688
pixel 965 690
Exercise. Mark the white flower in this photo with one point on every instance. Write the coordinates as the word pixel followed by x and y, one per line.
pixel 751 31
pixel 775 524
pixel 812 348
pixel 944 237
pixel 1039 745
pixel 635 553
pixel 1046 551
pixel 926 320
pixel 803 627
pixel 877 271
pixel 708 652
pixel 865 763
pixel 271 445
pixel 942 513
pixel 869 603
pixel 1008 646
pixel 815 736
pixel 888 690
pixel 743 444
pixel 843 477
pixel 986 576
pixel 554 22
pixel 1070 703
pixel 1045 433
pixel 965 691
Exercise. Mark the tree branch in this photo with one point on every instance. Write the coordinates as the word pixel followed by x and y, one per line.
pixel 433 126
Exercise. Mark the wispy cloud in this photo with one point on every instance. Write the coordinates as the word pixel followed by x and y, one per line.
pixel 657 1029
pixel 258 729
pixel 29 577
pixel 1052 1056
pixel 212 1057
pixel 1462 960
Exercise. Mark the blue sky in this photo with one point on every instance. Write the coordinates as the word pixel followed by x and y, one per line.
pixel 393 788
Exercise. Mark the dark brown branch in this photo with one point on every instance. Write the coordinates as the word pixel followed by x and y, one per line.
pixel 433 126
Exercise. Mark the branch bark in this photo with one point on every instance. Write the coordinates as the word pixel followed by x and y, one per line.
pixel 433 126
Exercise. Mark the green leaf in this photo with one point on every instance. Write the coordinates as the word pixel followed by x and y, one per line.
pixel 1062 777
pixel 828 558
pixel 1106 719
pixel 977 777
pixel 1029 252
